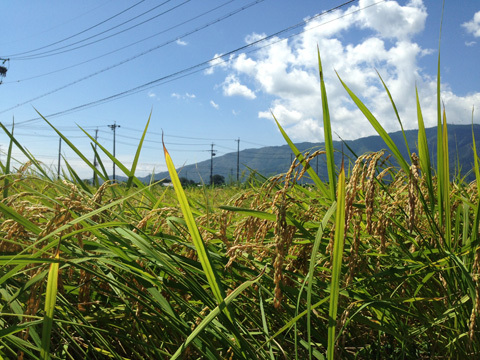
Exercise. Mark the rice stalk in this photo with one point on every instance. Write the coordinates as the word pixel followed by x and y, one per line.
pixel 50 300
pixel 336 264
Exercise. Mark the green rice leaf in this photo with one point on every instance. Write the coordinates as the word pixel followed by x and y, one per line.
pixel 215 312
pixel 379 128
pixel 78 181
pixel 137 154
pixel 476 221
pixel 316 245
pixel 264 321
pixel 446 183
pixel 440 150
pixel 327 131
pixel 337 264
pixel 29 156
pixel 6 169
pixel 12 214
pixel 318 182
pixel 250 212
pixel 396 113
pixel 17 328
pixel 123 168
pixel 424 153
pixel 99 162
pixel 203 257
pixel 73 147
pixel 50 300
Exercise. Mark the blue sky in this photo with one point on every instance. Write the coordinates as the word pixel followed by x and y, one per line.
pixel 96 63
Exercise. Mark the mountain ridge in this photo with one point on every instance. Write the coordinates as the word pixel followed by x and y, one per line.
pixel 273 160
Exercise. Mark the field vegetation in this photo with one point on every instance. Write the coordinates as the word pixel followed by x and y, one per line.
pixel 381 261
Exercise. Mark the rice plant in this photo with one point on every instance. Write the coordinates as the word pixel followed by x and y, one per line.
pixel 382 261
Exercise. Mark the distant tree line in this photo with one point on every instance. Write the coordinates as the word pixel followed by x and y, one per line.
pixel 218 180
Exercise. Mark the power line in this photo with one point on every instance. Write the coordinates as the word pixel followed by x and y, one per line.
pixel 200 66
pixel 79 33
pixel 132 57
pixel 51 53
pixel 57 26
pixel 126 46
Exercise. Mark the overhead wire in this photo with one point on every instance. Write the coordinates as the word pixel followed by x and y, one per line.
pixel 134 57
pixel 180 136
pixel 69 20
pixel 79 33
pixel 177 150
pixel 203 65
pixel 48 53
pixel 125 46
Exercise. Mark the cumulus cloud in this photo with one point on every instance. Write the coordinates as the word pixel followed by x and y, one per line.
pixel 214 105
pixel 473 26
pixel 151 94
pixel 232 87
pixel 391 20
pixel 287 70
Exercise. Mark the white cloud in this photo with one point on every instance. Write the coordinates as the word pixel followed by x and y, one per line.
pixel 151 94
pixel 217 61
pixel 232 87
pixel 470 43
pixel 181 42
pixel 250 39
pixel 185 96
pixel 473 26
pixel 391 20
pixel 214 105
pixel 288 71
pixel 244 64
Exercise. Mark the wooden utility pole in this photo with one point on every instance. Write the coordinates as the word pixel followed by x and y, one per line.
pixel 212 154
pixel 114 127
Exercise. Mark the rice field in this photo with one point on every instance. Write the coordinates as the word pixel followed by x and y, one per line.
pixel 382 261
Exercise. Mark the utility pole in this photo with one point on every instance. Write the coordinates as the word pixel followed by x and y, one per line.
pixel 238 159
pixel 114 127
pixel 59 156
pixel 212 154
pixel 95 158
